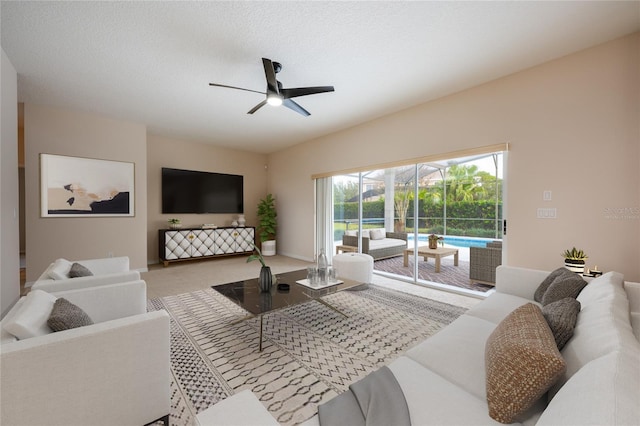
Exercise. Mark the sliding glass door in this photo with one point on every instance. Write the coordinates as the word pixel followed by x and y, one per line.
pixel 390 213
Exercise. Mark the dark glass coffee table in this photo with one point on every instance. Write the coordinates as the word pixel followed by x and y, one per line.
pixel 247 294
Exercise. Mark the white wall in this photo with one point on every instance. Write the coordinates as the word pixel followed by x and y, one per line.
pixel 65 132
pixel 9 225
pixel 573 127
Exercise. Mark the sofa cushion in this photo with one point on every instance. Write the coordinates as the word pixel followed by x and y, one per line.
pixel 65 315
pixel 377 234
pixel 457 353
pixel 433 400
pixel 605 391
pixel 77 270
pixel 59 270
pixel 496 307
pixel 564 286
pixel 522 362
pixel 544 286
pixel 562 317
pixel 30 319
pixel 603 324
pixel 386 243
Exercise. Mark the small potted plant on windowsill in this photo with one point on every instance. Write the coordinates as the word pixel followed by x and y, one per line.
pixel 174 223
pixel 574 260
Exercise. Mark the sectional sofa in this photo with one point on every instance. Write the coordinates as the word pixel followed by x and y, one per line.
pixel 500 362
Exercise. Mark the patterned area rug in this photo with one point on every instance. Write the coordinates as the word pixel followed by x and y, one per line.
pixel 450 274
pixel 311 353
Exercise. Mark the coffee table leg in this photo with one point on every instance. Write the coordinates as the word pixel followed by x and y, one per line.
pixel 437 263
pixel 260 346
pixel 455 259
pixel 406 258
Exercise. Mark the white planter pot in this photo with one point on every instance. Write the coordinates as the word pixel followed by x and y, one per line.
pixel 269 248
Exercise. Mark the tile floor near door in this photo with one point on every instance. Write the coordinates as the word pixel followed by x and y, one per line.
pixel 185 277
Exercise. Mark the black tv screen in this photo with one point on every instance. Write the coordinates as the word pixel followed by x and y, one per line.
pixel 187 191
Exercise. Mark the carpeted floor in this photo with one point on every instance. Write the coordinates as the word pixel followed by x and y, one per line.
pixel 450 274
pixel 311 353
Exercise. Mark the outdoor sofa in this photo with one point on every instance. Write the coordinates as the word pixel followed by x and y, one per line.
pixel 483 262
pixel 378 243
pixel 594 379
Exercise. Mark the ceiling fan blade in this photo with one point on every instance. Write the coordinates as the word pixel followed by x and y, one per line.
pixel 304 91
pixel 270 74
pixel 234 87
pixel 294 106
pixel 257 107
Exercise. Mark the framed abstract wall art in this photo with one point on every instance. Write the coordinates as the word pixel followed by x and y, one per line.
pixel 75 186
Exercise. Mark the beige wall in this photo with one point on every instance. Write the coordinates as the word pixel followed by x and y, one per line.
pixel 573 128
pixel 179 154
pixel 9 209
pixel 64 132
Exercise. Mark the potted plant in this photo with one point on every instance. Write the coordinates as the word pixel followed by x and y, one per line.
pixel 174 223
pixel 433 241
pixel 574 260
pixel 267 225
pixel 265 280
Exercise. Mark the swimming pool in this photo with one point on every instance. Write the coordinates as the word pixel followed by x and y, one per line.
pixel 455 241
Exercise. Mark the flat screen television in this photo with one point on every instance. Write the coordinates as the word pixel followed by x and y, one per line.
pixel 188 191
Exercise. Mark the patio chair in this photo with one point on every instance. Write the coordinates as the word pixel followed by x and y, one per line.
pixel 483 262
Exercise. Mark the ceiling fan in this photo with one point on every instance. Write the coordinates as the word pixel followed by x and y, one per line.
pixel 276 94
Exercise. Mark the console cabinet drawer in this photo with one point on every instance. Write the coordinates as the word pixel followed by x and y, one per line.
pixel 184 244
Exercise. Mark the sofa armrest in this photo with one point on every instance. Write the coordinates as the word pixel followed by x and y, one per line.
pixel 516 281
pixel 109 302
pixel 398 235
pixel 116 372
pixel 51 286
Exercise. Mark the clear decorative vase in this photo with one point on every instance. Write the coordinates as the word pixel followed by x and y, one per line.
pixel 322 267
pixel 265 279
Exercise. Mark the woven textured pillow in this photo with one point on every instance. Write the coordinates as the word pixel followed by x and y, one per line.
pixel 544 285
pixel 78 270
pixel 66 315
pixel 562 316
pixel 522 362
pixel 563 286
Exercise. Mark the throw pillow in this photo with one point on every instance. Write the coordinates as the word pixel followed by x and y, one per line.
pixel 544 286
pixel 563 286
pixel 522 362
pixel 562 316
pixel 65 315
pixel 77 270
pixel 60 269
pixel 377 234
pixel 30 320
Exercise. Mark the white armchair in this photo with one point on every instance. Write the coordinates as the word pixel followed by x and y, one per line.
pixel 108 270
pixel 114 372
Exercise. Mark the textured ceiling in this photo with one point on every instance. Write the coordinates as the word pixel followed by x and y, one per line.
pixel 151 62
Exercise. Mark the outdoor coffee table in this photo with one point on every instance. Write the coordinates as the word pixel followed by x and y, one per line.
pixel 436 253
pixel 247 294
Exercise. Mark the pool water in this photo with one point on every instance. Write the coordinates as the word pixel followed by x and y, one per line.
pixel 455 241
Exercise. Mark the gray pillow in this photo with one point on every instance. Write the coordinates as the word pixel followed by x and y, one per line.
pixel 562 316
pixel 66 315
pixel 78 270
pixel 563 286
pixel 544 286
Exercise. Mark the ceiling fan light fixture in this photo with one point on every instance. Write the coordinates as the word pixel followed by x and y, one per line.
pixel 274 100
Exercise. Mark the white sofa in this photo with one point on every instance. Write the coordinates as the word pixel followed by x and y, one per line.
pixel 114 372
pixel 108 270
pixel 444 381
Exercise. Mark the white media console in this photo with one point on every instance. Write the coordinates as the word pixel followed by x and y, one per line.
pixel 196 243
